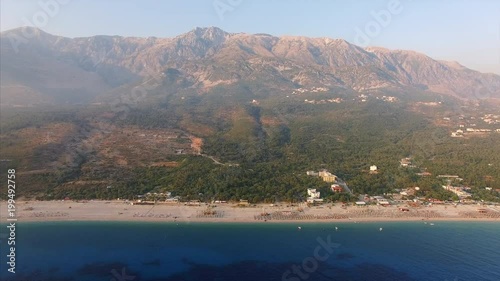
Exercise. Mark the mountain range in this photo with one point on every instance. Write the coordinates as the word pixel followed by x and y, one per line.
pixel 41 68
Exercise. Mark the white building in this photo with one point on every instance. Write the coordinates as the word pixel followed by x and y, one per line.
pixel 405 162
pixel 314 196
pixel 313 193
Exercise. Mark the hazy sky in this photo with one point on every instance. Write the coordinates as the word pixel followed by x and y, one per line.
pixel 467 31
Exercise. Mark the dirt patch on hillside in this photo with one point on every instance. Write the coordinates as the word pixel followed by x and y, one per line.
pixel 133 146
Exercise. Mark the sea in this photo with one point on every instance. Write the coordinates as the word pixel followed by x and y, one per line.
pixel 136 251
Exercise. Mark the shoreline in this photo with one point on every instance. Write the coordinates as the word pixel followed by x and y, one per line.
pixel 222 221
pixel 110 211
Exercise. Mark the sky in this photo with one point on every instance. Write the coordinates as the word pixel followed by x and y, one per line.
pixel 467 31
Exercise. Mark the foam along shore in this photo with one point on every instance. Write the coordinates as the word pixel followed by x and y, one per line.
pixel 122 211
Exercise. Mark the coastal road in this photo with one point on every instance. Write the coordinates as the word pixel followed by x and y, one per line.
pixel 216 161
pixel 212 158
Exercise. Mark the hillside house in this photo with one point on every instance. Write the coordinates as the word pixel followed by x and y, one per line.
pixel 314 196
pixel 405 162
pixel 243 203
pixel 336 188
pixel 324 175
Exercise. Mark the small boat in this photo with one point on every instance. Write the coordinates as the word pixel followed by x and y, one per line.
pixel 431 223
pixel 299 228
pixel 380 229
pixel 336 228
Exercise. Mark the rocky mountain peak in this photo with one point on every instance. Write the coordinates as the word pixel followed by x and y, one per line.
pixel 212 34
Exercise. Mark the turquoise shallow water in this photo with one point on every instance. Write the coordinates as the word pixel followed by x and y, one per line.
pixel 75 251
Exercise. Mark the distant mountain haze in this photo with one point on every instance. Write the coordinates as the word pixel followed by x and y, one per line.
pixel 40 68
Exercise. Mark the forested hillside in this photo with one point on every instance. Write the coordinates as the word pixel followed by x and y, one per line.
pixel 257 151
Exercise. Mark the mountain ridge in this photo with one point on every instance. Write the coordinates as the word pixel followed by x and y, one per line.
pixel 207 57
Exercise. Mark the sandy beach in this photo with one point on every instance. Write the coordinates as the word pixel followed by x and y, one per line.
pixel 123 211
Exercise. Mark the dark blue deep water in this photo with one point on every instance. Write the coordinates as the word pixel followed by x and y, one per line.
pixel 117 251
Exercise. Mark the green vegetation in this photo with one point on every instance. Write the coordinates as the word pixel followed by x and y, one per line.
pixel 270 146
